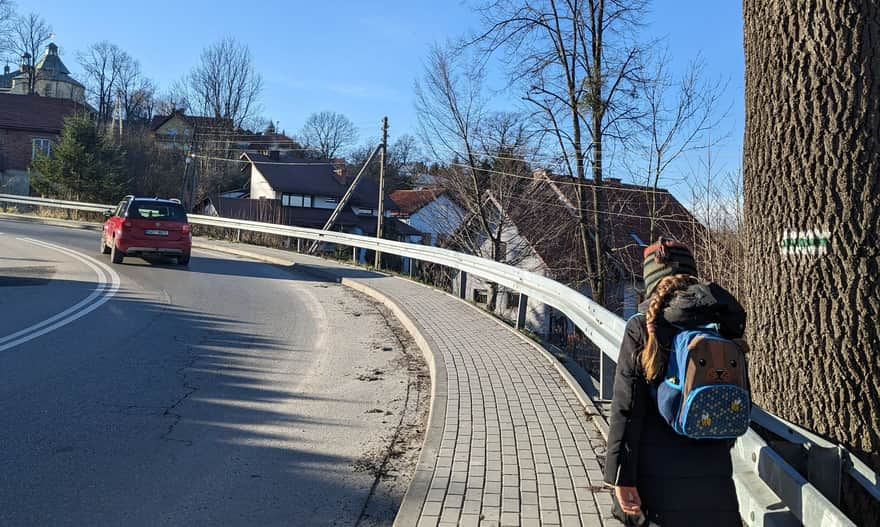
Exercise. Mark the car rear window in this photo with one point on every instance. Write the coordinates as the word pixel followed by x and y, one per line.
pixel 153 210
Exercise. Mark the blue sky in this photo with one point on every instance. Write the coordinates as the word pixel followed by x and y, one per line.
pixel 358 58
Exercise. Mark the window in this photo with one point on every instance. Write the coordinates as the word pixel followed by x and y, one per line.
pixel 152 210
pixel 120 209
pixel 481 296
pixel 41 146
pixel 296 200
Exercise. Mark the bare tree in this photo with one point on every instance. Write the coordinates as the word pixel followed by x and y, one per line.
pixel 577 62
pixel 30 35
pixel 174 98
pixel 718 229
pixel 102 64
pixel 482 149
pixel 328 133
pixel 225 84
pixel 7 15
pixel 136 91
pixel 680 116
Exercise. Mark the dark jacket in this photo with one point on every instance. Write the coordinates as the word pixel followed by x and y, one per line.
pixel 683 482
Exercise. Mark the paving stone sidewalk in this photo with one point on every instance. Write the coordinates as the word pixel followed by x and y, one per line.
pixel 512 445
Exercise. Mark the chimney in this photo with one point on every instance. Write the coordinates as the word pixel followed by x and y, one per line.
pixel 6 69
pixel 25 61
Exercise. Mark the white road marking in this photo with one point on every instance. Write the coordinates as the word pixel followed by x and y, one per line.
pixel 101 294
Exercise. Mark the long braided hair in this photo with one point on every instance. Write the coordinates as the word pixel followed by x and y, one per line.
pixel 652 359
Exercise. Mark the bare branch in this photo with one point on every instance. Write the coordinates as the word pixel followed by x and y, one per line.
pixel 328 132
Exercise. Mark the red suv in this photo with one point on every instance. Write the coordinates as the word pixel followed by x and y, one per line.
pixel 147 226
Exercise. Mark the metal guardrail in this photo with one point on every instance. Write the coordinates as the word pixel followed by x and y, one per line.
pixel 771 491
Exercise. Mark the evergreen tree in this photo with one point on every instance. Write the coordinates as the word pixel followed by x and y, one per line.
pixel 83 165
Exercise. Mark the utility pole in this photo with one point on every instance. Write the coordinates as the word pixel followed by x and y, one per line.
pixel 378 262
pixel 344 201
pixel 119 111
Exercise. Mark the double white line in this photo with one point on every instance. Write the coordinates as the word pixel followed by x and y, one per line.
pixel 108 285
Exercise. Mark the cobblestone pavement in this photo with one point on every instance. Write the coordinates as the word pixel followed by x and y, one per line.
pixel 515 445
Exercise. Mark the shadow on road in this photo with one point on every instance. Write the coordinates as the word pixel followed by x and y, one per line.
pixel 151 414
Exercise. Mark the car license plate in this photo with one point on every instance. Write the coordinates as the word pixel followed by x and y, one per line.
pixel 156 232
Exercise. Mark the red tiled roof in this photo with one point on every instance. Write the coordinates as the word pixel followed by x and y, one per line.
pixel 35 113
pixel 410 201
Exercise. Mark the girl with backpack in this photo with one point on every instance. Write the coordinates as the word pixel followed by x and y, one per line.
pixel 660 476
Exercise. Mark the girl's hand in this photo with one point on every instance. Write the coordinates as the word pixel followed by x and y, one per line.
pixel 629 499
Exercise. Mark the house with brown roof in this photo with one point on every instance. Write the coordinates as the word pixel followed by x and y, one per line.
pixel 29 125
pixel 304 193
pixel 181 132
pixel 543 230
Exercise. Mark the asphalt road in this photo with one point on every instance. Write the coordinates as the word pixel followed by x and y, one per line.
pixel 229 393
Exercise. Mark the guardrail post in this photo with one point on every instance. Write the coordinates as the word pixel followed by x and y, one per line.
pixel 825 470
pixel 462 285
pixel 354 255
pixel 521 311
pixel 606 376
pixel 299 245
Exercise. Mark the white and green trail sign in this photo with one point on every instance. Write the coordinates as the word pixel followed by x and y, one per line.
pixel 811 242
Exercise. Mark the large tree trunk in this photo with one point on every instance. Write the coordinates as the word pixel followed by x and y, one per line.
pixel 812 161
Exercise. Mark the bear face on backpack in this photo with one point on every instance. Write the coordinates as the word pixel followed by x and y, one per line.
pixel 705 392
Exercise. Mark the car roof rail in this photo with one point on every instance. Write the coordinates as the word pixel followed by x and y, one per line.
pixel 174 200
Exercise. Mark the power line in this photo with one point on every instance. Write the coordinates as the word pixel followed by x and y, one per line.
pixel 641 190
pixel 608 212
pixel 214 158
pixel 518 198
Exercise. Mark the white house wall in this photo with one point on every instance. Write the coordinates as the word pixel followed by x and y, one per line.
pixel 260 188
pixel 537 314
pixel 439 217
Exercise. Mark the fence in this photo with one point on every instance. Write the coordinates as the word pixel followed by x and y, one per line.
pixel 770 490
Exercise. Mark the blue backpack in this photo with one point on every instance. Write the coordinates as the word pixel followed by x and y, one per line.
pixel 705 394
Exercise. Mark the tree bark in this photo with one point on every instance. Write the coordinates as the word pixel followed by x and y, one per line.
pixel 812 161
